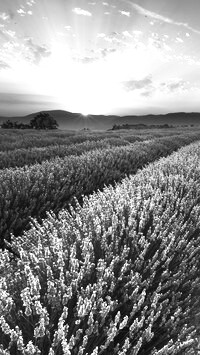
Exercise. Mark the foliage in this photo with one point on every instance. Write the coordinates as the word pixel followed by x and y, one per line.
pixel 37 139
pixel 21 157
pixel 141 126
pixel 31 191
pixel 43 121
pixel 11 139
pixel 119 275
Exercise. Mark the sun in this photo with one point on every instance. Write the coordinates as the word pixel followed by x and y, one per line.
pixel 84 113
pixel 76 87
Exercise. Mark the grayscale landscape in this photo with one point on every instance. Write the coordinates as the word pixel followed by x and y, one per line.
pixel 99 177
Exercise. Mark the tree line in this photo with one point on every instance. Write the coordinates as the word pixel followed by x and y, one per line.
pixel 140 126
pixel 41 121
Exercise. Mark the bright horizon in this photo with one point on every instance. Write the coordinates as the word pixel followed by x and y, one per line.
pixel 99 57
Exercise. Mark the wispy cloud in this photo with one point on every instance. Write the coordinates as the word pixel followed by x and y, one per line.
pixel 85 60
pixel 127 34
pixel 30 2
pixel 21 12
pixel 101 35
pixel 174 85
pixel 179 40
pixel 131 85
pixel 79 11
pixel 156 16
pixel 113 37
pixel 106 51
pixel 36 51
pixel 68 27
pixel 9 33
pixel 125 13
pixel 4 65
pixel 4 16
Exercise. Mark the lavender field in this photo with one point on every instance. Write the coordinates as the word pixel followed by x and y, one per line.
pixel 100 242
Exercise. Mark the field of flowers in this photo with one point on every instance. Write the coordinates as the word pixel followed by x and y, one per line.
pixel 28 156
pixel 118 274
pixel 16 139
pixel 33 190
pixel 11 139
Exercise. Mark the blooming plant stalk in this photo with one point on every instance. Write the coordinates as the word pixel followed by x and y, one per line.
pixel 20 157
pixel 31 191
pixel 119 275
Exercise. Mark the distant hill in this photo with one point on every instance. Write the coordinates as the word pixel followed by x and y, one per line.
pixel 76 121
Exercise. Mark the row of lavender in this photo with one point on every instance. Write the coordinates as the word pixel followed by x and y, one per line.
pixel 119 275
pixel 23 156
pixel 31 191
pixel 17 150
pixel 9 141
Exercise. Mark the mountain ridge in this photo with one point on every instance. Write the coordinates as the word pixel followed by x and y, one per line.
pixel 77 121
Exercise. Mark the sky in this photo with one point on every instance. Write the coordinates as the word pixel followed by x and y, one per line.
pixel 99 57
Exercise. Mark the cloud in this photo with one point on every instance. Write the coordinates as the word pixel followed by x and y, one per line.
pixel 124 13
pixel 106 51
pixel 30 2
pixel 4 16
pixel 37 52
pixel 98 54
pixel 68 27
pixel 155 42
pixel 9 33
pixel 105 4
pixel 86 60
pixel 147 93
pixel 79 11
pixel 114 37
pixel 3 34
pixel 127 34
pixel 21 12
pixel 131 85
pixel 92 3
pixel 178 39
pixel 14 103
pixel 4 65
pixel 60 33
pixel 174 85
pixel 155 16
pixel 101 35
pixel 158 41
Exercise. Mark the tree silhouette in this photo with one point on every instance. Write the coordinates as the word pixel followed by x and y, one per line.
pixel 7 124
pixel 43 121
